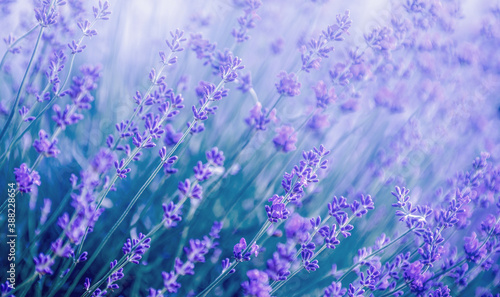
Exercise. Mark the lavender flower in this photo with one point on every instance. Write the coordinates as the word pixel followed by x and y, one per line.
pixel 9 41
pixel 23 112
pixel 247 21
pixel 241 253
pixel 315 50
pixel 257 285
pixel 43 264
pixel 102 11
pixel 61 249
pixel 324 97
pixel 278 267
pixel 26 179
pixel 114 277
pixel 46 14
pixel 259 117
pixel 171 136
pixel 277 211
pixel 413 273
pixel 286 139
pixel 44 146
pixel 155 293
pixel 215 156
pixel 419 63
pixel 335 290
pixel 169 281
pixel 135 248
pixel 171 215
pixel 288 84
pixel 190 191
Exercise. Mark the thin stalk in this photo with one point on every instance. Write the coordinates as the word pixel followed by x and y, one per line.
pixel 21 87
pixel 138 108
pixel 374 253
pixel 27 283
pixel 218 280
pixel 16 139
pixel 312 236
pixel 136 197
pixel 61 281
pixel 214 283
pixel 239 195
pixel 123 260
pixel 282 283
pixel 47 224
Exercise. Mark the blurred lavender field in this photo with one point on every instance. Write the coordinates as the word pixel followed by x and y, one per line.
pixel 250 148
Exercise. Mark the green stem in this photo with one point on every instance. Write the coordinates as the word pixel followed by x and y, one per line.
pixel 136 197
pixel 21 87
pixel 27 283
pixel 212 285
pixel 122 261
pixel 218 280
pixel 282 283
pixel 239 196
pixel 136 111
pixel 374 253
pixel 15 43
pixel 61 281
pixel 47 224
pixel 16 139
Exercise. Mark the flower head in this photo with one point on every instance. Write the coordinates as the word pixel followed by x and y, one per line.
pixel 26 179
pixel 288 84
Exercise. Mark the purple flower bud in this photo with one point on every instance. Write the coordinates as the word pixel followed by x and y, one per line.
pixel 238 250
pixel 215 156
pixel 259 117
pixel 171 215
pixel 83 257
pixel 472 250
pixel 196 251
pixel 46 15
pixel 257 285
pixel 288 84
pixel 335 290
pixel 60 249
pixel 26 179
pixel 285 139
pixel 171 136
pixel 101 12
pixel 181 268
pixel 43 264
pixel 202 171
pixel 169 281
pixel 324 97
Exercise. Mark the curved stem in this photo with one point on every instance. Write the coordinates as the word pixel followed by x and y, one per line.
pixel 136 197
pixel 16 139
pixel 374 253
pixel 212 285
pixel 61 281
pixel 47 224
pixel 122 261
pixel 21 87
pixel 218 279
pixel 27 282
pixel 284 282
pixel 15 43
